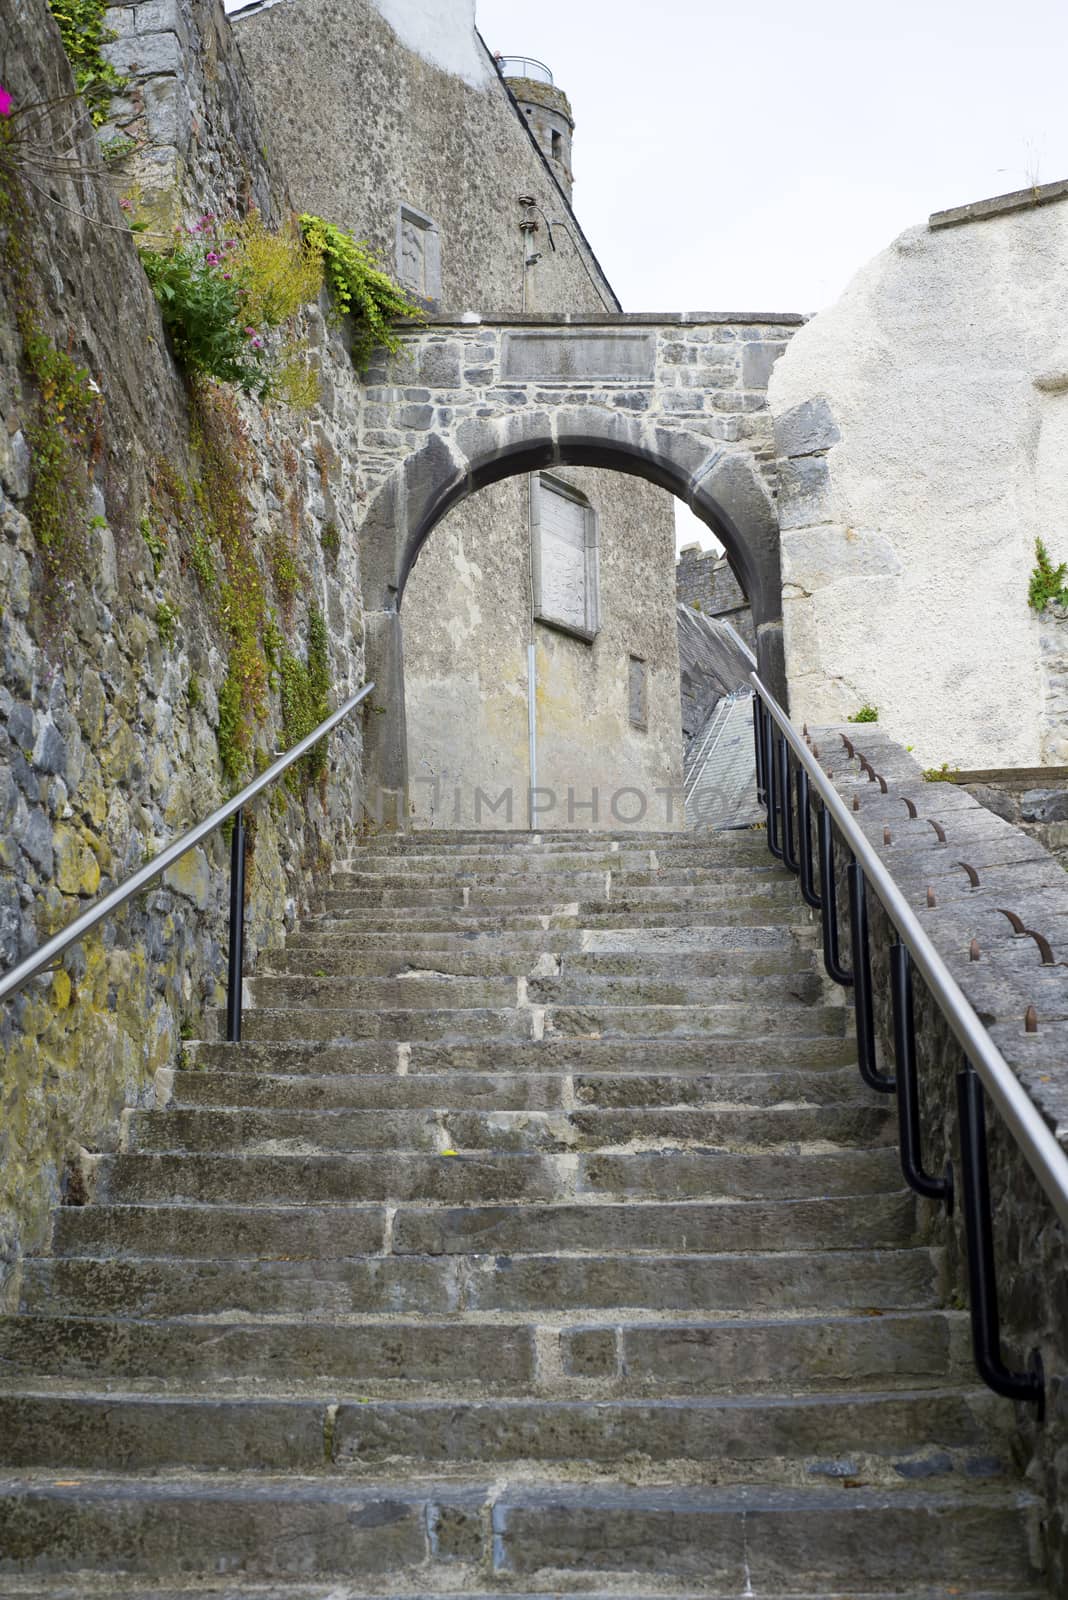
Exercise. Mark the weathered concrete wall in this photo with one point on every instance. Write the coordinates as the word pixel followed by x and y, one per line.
pixel 922 424
pixel 466 670
pixel 1031 1246
pixel 108 716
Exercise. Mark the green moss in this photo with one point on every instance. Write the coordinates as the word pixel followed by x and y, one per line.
pixel 64 432
pixel 156 543
pixel 306 698
pixel 166 620
pixel 193 694
pixel 330 539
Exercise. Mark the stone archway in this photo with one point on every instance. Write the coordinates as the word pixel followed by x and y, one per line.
pixel 471 404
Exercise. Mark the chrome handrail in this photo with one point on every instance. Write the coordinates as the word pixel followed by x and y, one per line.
pixel 1044 1155
pixel 46 954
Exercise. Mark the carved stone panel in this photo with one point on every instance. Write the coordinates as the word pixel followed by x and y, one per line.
pixel 419 255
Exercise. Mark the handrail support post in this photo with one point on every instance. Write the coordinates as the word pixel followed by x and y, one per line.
pixel 237 930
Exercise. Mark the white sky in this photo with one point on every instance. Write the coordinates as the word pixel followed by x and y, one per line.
pixel 734 156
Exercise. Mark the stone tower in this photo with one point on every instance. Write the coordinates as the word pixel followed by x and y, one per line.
pixel 546 108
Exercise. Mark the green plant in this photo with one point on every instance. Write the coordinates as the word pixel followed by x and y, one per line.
pixel 113 151
pixel 156 543
pixel 201 559
pixel 166 620
pixel 306 696
pixel 81 27
pixel 943 774
pixel 330 539
pixel 361 290
pixel 201 296
pixel 279 272
pixel 1047 581
pixel 865 714
pixel 193 694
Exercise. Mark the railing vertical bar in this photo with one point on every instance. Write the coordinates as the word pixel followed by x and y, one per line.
pixel 237 930
pixel 772 779
pixel 1027 1386
pixel 832 959
pixel 862 992
pixel 804 839
pixel 908 1099
pixel 789 854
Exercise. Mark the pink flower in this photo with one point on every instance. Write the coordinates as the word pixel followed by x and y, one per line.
pixel 5 102
pixel 231 244
pixel 227 276
pixel 256 343
pixel 212 258
pixel 251 332
pixel 125 204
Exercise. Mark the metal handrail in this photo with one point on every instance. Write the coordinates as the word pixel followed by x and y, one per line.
pixel 46 954
pixel 865 869
pixel 1044 1155
pixel 509 64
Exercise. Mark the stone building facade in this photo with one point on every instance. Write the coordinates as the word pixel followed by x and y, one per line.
pixel 463 188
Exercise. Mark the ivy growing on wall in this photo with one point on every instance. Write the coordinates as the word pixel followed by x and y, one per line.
pixel 361 290
pixel 84 34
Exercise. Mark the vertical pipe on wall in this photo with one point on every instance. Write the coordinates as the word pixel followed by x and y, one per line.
pixel 532 726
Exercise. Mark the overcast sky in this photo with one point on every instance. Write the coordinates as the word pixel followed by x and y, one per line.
pixel 750 157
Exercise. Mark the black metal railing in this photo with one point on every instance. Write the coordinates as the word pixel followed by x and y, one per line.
pixel 799 798
pixel 48 954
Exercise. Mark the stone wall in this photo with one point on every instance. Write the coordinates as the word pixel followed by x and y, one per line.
pixel 114 649
pixel 922 424
pixel 706 582
pixel 1018 873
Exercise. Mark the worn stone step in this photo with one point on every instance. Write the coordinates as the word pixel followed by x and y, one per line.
pixel 516 1091
pixel 573 914
pixel 422 990
pixel 432 989
pixel 647 1021
pixel 667 1054
pixel 772 1540
pixel 411 1022
pixel 227 1232
pixel 341 936
pixel 117 1587
pixel 446 1128
pixel 592 891
pixel 402 1176
pixel 327 960
pixel 751 1437
pixel 546 873
pixel 436 1285
pixel 478 1354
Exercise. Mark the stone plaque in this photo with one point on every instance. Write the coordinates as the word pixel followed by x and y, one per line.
pixel 564 557
pixel 637 692
pixel 607 355
pixel 418 255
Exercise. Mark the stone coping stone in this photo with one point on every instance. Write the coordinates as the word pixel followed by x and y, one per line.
pixel 999 205
pixel 608 319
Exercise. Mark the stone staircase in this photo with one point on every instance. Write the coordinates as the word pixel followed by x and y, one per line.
pixel 539 1238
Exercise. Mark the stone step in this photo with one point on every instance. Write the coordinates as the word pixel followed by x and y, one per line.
pixel 751 1438
pixel 433 907
pixel 547 873
pixel 641 1021
pixel 531 1091
pixel 118 1587
pixel 290 1233
pixel 345 934
pixel 592 891
pixel 404 1176
pixel 627 855
pixel 407 1285
pixel 254 1132
pixel 771 1540
pixel 575 914
pixel 324 959
pixel 667 1054
pixel 475 1355
pixel 431 989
